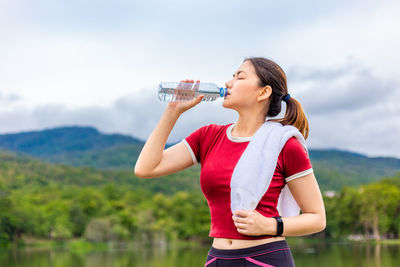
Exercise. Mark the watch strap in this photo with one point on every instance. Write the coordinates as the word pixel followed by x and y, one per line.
pixel 279 226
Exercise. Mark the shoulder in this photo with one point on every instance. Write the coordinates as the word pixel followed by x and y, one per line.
pixel 294 155
pixel 209 131
pixel 293 152
pixel 293 145
pixel 295 160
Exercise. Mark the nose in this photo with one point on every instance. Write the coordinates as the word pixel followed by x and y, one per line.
pixel 228 84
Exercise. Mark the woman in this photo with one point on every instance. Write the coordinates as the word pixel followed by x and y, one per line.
pixel 247 238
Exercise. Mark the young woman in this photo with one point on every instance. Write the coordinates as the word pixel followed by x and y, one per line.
pixel 252 238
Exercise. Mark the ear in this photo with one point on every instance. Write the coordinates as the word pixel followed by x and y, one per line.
pixel 264 93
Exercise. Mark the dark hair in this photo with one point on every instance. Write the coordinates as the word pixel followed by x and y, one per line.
pixel 270 73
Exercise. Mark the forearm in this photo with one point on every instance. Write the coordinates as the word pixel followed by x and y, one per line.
pixel 303 224
pixel 151 153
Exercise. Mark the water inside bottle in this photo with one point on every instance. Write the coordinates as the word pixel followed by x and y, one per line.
pixel 173 94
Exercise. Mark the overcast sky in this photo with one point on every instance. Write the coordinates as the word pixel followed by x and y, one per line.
pixel 98 63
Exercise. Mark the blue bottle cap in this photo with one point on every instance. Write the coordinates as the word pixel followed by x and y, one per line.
pixel 223 92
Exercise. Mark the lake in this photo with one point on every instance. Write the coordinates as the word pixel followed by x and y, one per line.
pixel 305 254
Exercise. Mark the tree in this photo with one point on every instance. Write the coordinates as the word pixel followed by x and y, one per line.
pixel 379 200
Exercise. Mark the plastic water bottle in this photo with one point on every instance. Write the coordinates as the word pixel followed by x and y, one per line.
pixel 180 91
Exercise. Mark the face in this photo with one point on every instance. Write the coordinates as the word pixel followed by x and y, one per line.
pixel 243 88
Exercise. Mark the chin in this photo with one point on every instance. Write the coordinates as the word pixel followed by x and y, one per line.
pixel 225 104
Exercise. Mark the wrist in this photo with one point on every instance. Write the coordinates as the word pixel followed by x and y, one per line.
pixel 173 112
pixel 279 225
pixel 271 226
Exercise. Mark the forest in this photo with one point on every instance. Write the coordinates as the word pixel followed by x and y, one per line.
pixel 61 202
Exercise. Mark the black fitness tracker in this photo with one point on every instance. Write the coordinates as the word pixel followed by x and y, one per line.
pixel 279 226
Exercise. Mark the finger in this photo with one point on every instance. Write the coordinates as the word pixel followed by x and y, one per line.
pixel 188 85
pixel 243 231
pixel 183 84
pixel 180 84
pixel 238 219
pixel 196 85
pixel 242 213
pixel 240 225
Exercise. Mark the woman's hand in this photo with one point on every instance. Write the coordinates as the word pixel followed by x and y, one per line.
pixel 180 105
pixel 251 222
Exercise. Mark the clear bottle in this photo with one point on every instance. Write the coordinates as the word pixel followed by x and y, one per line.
pixel 181 91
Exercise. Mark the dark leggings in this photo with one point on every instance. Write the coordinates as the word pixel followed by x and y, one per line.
pixel 270 254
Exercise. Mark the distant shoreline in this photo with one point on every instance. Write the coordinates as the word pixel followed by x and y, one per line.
pixel 81 245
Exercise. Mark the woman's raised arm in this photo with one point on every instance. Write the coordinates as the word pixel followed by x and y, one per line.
pixel 153 160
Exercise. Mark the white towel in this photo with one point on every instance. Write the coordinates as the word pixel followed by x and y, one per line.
pixel 253 172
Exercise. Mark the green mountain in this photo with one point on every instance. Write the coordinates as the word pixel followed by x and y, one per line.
pixel 85 146
pixel 335 168
pixel 26 172
pixel 77 146
pixel 56 141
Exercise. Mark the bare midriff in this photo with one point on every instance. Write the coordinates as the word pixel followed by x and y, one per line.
pixel 227 243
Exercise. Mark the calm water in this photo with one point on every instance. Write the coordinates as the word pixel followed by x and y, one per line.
pixel 321 254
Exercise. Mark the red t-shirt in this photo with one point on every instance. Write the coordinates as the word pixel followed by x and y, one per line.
pixel 218 152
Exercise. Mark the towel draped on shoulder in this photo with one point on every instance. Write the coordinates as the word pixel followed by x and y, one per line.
pixel 254 171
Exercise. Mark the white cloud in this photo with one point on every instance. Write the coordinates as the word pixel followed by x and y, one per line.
pixel 98 63
pixel 363 33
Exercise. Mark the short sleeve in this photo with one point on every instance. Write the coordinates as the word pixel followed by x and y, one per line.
pixel 193 144
pixel 296 162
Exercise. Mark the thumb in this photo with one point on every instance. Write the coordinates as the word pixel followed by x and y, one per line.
pixel 191 103
pixel 198 99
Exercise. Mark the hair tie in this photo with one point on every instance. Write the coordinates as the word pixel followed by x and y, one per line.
pixel 286 98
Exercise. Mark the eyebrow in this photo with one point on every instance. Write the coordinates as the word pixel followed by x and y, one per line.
pixel 237 73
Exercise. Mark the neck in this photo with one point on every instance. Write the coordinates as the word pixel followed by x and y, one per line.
pixel 247 125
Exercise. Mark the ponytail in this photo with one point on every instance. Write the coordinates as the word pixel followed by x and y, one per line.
pixel 295 116
pixel 270 73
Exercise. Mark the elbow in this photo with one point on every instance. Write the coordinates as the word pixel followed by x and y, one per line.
pixel 139 173
pixel 318 224
pixel 322 227
pixel 322 224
